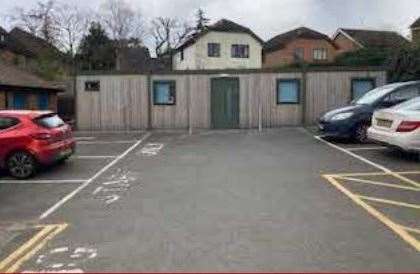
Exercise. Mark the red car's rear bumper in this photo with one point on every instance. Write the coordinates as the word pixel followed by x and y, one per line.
pixel 51 153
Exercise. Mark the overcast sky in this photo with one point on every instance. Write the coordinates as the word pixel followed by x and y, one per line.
pixel 270 17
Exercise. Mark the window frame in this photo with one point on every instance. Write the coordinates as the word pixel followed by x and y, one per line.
pixel 296 57
pixel 232 51
pixel 353 80
pixel 288 80
pixel 89 88
pixel 217 46
pixel 172 89
pixel 43 95
pixel 25 100
pixel 323 50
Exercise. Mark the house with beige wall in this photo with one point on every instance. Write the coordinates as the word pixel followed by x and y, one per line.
pixel 223 45
pixel 301 44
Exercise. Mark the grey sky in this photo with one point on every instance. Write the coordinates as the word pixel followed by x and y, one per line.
pixel 271 17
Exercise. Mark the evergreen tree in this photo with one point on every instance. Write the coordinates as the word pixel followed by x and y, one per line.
pixel 96 50
pixel 201 20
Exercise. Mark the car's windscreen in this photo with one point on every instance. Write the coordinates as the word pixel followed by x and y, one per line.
pixel 373 95
pixel 50 121
pixel 413 104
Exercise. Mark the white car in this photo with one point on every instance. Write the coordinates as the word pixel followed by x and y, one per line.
pixel 398 126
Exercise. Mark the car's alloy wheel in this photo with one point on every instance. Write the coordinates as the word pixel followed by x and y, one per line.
pixel 361 133
pixel 21 165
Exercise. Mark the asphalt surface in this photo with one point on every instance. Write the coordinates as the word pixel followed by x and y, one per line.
pixel 214 201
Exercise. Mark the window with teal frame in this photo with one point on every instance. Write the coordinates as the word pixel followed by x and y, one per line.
pixel 43 101
pixel 164 93
pixel 19 100
pixel 288 91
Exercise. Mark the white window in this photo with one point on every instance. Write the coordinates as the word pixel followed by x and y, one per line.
pixel 2 38
pixel 320 54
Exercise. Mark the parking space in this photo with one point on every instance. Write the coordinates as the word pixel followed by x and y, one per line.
pixel 391 195
pixel 238 200
pixel 24 201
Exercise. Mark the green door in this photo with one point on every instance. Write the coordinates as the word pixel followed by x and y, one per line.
pixel 225 103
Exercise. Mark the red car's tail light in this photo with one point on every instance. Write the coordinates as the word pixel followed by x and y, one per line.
pixel 42 136
pixel 408 126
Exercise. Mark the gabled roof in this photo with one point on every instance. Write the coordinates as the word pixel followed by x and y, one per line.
pixel 15 77
pixel 222 25
pixel 373 38
pixel 281 40
pixel 416 24
pixel 34 45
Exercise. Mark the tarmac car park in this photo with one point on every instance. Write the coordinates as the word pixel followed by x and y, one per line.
pixel 237 200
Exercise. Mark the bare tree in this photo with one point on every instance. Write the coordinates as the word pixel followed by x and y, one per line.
pixel 73 24
pixel 168 33
pixel 121 21
pixel 39 20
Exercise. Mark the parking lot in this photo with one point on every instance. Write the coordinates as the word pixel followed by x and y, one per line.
pixel 237 200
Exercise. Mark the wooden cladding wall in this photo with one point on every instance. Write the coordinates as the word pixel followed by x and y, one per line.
pixel 124 102
pixel 329 90
pixel 120 104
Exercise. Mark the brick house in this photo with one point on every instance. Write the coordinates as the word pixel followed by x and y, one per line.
pixel 20 89
pixel 301 44
pixel 415 31
pixel 354 39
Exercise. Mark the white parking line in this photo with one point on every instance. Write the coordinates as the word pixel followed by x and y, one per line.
pixel 84 138
pixel 99 173
pixel 378 166
pixel 42 181
pixel 106 142
pixel 366 148
pixel 88 157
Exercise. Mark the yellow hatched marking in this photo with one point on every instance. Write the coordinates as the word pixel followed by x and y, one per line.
pixel 414 230
pixel 390 202
pixel 370 182
pixel 12 263
pixel 407 237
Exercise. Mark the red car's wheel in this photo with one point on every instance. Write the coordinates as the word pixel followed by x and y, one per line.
pixel 21 165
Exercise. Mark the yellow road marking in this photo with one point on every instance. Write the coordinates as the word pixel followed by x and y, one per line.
pixel 405 179
pixel 415 230
pixel 30 248
pixel 372 211
pixel 390 202
pixel 370 182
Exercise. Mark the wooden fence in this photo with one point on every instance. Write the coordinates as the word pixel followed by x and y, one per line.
pixel 124 102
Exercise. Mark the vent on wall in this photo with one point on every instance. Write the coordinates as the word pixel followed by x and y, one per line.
pixel 92 86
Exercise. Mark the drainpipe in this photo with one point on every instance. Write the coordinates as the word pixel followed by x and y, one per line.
pixel 259 109
pixel 189 94
pixel 303 92
pixel 149 100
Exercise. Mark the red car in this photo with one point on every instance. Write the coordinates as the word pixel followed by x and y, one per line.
pixel 32 138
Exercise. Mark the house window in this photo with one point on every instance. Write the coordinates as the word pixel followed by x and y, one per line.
pixel 92 86
pixel 240 51
pixel 43 101
pixel 2 38
pixel 181 55
pixel 213 49
pixel 164 92
pixel 19 100
pixel 298 54
pixel 320 54
pixel 361 86
pixel 288 91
